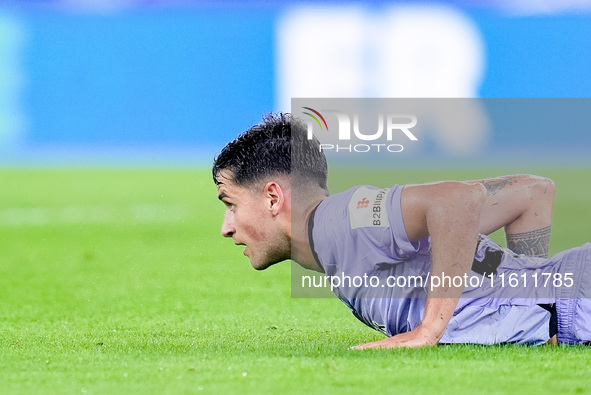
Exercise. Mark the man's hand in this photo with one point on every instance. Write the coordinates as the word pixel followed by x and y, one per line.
pixel 419 337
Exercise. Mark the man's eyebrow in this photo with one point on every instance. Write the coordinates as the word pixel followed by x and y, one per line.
pixel 222 195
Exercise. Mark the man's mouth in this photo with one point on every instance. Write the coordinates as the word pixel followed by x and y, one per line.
pixel 242 244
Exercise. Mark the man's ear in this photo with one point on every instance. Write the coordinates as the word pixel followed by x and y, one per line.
pixel 275 196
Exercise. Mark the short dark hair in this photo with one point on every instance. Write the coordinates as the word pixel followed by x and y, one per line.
pixel 278 145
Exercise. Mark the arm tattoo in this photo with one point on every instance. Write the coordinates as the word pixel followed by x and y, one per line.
pixel 495 185
pixel 535 243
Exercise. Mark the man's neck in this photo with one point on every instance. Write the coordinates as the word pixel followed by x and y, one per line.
pixel 301 251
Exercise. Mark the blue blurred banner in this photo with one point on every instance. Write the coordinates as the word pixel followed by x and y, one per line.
pixel 185 79
pixel 182 80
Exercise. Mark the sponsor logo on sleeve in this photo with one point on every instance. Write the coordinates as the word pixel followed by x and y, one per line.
pixel 367 208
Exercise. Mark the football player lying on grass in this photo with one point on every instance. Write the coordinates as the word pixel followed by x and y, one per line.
pixel 412 261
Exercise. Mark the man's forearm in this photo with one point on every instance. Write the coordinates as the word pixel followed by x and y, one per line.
pixel 438 313
pixel 454 236
pixel 535 243
pixel 448 212
pixel 443 299
pixel 530 232
pixel 522 204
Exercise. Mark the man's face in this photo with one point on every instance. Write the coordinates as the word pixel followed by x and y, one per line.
pixel 249 221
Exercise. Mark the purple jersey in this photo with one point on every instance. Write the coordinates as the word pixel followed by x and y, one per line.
pixel 359 239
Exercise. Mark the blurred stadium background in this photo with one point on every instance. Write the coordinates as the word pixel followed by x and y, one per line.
pixel 169 82
pixel 114 277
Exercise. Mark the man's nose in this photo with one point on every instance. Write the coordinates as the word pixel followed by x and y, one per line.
pixel 228 226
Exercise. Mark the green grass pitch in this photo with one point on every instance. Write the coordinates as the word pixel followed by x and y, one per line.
pixel 118 281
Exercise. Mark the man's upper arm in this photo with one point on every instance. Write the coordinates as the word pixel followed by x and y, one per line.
pixel 429 207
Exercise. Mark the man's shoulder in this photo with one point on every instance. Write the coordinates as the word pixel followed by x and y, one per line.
pixel 365 195
pixel 359 227
pixel 362 206
pixel 342 200
pixel 356 191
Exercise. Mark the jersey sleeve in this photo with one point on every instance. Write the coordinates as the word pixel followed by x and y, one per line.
pixel 375 215
pixel 404 245
pixel 361 229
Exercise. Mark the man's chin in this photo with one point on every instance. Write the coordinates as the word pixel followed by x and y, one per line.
pixel 263 265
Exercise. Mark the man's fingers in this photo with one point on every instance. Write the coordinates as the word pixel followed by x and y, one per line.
pixel 361 346
pixel 408 339
pixel 378 344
